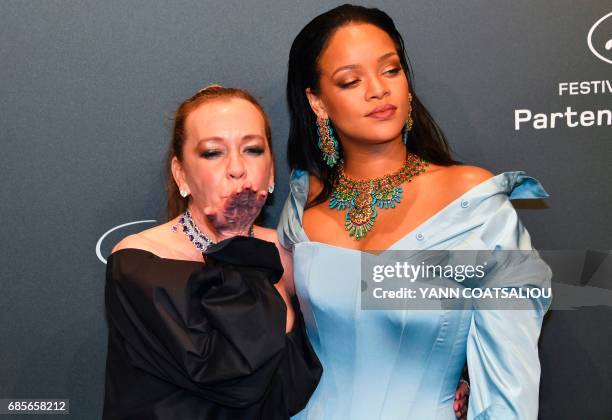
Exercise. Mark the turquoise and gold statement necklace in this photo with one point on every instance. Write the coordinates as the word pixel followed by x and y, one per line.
pixel 361 197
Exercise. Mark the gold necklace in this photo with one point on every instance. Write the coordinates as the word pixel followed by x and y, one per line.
pixel 360 197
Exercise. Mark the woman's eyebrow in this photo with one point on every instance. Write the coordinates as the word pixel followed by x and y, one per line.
pixel 214 138
pixel 248 137
pixel 347 67
pixel 385 56
pixel 245 138
pixel 354 66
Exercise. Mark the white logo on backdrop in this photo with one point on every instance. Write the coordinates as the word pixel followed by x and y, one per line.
pixel 99 243
pixel 570 118
pixel 608 43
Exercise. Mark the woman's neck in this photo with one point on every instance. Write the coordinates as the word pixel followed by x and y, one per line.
pixel 367 161
pixel 202 223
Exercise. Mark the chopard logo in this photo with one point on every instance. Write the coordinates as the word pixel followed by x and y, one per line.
pixel 105 234
pixel 601 29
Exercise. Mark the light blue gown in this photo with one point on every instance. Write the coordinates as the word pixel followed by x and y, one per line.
pixel 402 364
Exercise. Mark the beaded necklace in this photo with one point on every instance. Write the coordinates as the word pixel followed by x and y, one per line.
pixel 361 197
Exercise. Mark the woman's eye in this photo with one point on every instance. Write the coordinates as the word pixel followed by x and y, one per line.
pixel 210 154
pixel 255 150
pixel 350 84
pixel 393 71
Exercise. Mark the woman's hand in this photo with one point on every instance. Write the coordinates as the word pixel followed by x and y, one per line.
pixel 461 400
pixel 238 212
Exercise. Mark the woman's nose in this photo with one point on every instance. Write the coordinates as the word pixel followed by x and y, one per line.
pixel 235 167
pixel 377 89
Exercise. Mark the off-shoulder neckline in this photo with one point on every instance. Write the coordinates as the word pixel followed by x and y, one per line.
pixel 495 180
pixel 152 254
pixel 416 229
pixel 201 263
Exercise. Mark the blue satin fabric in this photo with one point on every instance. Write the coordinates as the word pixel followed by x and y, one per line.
pixel 402 364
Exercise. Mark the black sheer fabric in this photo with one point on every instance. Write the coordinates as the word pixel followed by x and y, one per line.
pixel 189 340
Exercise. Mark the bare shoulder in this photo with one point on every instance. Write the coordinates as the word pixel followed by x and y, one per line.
pixel 148 240
pixel 270 235
pixel 266 234
pixel 453 181
pixel 132 241
pixel 465 177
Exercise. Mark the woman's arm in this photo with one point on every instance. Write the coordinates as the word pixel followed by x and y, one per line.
pixel 285 285
pixel 502 347
pixel 287 261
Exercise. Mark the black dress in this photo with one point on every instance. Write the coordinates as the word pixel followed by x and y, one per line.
pixel 189 340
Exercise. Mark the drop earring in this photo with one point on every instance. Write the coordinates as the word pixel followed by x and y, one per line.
pixel 271 189
pixel 183 193
pixel 409 121
pixel 327 142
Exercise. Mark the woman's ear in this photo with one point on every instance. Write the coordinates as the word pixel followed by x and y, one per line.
pixel 178 173
pixel 316 104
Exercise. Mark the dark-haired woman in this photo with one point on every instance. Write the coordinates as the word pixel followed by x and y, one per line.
pixel 200 324
pixel 372 171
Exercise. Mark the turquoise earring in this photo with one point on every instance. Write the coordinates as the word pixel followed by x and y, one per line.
pixel 406 129
pixel 327 142
pixel 409 121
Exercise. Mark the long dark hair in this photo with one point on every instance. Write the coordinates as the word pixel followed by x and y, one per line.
pixel 426 139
